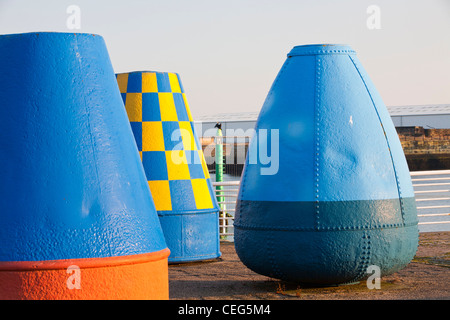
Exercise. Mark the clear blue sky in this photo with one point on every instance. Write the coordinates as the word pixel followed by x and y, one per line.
pixel 229 52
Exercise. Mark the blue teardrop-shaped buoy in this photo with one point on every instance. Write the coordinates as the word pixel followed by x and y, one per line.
pixel 337 195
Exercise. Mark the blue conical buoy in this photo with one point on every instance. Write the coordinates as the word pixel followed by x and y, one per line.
pixel 340 198
pixel 77 217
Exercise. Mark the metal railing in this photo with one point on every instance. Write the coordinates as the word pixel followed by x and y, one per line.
pixel 432 192
pixel 431 189
pixel 229 195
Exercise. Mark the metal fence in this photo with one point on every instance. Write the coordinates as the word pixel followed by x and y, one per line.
pixel 431 188
pixel 432 192
pixel 227 201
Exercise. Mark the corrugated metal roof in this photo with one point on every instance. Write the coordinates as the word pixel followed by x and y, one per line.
pixel 419 110
pixel 229 117
pixel 393 111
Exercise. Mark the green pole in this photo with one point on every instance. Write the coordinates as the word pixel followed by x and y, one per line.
pixel 219 156
pixel 219 174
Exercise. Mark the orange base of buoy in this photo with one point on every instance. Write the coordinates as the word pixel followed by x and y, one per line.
pixel 136 277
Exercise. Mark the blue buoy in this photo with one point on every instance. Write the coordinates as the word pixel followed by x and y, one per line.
pixel 73 190
pixel 174 163
pixel 341 197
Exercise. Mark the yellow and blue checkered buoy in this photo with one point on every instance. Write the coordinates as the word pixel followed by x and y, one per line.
pixel 173 162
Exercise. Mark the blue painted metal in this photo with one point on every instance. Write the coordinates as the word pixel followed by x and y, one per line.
pixel 73 185
pixel 342 198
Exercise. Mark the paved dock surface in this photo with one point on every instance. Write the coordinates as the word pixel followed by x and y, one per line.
pixel 427 277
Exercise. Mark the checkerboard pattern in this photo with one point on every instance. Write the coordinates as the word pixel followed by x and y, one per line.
pixel 164 131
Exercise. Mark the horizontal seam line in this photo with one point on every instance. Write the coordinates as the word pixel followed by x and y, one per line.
pixel 101 262
pixel 343 228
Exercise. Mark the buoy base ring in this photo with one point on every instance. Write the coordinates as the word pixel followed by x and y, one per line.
pixel 135 277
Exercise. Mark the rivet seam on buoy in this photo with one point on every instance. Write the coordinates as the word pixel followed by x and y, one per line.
pixel 397 180
pixel 318 52
pixel 317 142
pixel 364 259
pixel 335 228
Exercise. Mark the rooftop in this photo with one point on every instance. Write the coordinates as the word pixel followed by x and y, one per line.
pixel 224 117
pixel 419 110
pixel 393 110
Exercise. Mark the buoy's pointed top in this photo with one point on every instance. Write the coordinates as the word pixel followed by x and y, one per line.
pixel 314 49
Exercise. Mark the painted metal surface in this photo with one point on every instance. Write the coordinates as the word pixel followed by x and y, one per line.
pixel 174 163
pixel 342 197
pixel 219 165
pixel 73 187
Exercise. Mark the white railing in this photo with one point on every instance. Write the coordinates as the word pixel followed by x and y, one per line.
pixel 432 192
pixel 431 189
pixel 227 202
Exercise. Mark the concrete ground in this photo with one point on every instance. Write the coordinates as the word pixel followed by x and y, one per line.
pixel 427 277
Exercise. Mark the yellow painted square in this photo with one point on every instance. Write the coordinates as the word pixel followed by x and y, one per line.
pixel 177 166
pixel 140 154
pixel 122 81
pixel 187 107
pixel 167 107
pixel 133 105
pixel 149 82
pixel 161 194
pixel 204 166
pixel 174 83
pixel 201 194
pixel 152 136
pixel 187 135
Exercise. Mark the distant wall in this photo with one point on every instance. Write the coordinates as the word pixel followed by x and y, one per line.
pixel 425 149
